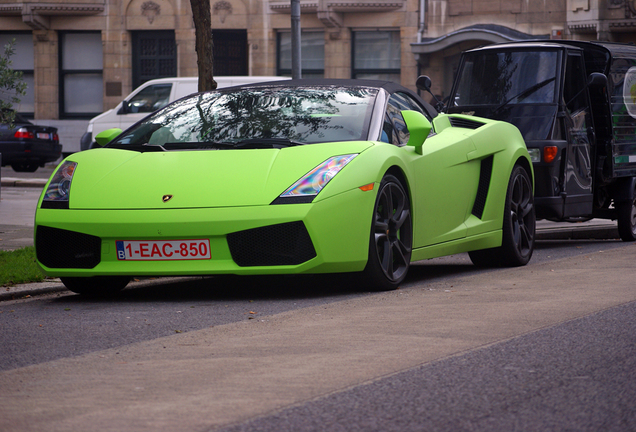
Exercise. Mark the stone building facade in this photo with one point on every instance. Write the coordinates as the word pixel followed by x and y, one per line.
pixel 81 57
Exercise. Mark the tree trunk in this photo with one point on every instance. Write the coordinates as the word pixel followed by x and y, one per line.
pixel 203 43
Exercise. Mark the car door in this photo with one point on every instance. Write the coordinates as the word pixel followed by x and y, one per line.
pixel 445 181
pixel 577 179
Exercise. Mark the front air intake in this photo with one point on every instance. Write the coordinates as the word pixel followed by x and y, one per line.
pixel 58 248
pixel 272 245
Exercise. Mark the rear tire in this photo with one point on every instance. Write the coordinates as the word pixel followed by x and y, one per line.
pixel 391 239
pixel 519 224
pixel 96 286
pixel 24 167
pixel 626 215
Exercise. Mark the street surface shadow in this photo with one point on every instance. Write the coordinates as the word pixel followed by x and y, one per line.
pixel 230 288
pixel 426 273
pixel 569 243
pixel 328 287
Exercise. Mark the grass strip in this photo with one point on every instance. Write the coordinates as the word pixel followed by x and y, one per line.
pixel 19 266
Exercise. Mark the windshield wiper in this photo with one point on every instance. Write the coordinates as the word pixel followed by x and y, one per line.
pixel 198 145
pixel 138 147
pixel 257 143
pixel 527 92
pixel 252 143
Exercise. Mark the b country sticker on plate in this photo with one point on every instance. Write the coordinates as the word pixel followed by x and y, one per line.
pixel 140 250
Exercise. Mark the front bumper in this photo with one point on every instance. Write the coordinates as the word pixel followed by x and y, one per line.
pixel 338 230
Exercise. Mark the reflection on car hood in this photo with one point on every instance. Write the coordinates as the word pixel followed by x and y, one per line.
pixel 121 179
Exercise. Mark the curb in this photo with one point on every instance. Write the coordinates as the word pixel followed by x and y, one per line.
pixel 17 292
pixel 25 293
pixel 22 182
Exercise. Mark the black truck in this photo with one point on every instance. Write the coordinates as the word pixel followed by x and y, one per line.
pixel 575 105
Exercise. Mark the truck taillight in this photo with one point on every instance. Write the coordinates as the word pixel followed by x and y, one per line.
pixel 549 153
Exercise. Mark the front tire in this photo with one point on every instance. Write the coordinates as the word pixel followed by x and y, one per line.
pixel 391 239
pixel 519 225
pixel 627 219
pixel 96 286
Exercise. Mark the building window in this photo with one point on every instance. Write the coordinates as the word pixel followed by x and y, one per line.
pixel 376 55
pixel 22 60
pixel 312 53
pixel 230 52
pixel 154 55
pixel 81 75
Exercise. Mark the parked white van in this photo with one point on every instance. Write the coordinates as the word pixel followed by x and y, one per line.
pixel 152 95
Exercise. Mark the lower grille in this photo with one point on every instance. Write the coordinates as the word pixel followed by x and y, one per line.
pixel 58 248
pixel 273 245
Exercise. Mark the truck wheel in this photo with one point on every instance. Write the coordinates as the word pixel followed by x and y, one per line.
pixel 627 219
pixel 96 286
pixel 519 223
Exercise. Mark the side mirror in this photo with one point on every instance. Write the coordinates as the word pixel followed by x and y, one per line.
pixel 418 126
pixel 423 82
pixel 104 137
pixel 597 79
pixel 125 108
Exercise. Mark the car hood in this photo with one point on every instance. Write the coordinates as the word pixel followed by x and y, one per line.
pixel 121 179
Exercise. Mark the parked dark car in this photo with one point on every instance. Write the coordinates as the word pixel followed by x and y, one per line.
pixel 25 146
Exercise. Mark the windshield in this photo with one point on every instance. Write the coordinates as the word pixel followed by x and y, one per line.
pixel 507 78
pixel 256 118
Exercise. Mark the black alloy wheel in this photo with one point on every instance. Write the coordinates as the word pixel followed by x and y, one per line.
pixel 391 237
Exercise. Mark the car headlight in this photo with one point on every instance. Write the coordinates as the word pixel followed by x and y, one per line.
pixel 310 185
pixel 57 194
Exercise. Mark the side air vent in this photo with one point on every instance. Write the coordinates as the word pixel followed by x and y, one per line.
pixel 482 189
pixel 273 245
pixel 464 123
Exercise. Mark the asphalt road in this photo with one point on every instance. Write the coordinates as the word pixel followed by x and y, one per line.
pixel 70 325
pixel 577 376
pixel 548 346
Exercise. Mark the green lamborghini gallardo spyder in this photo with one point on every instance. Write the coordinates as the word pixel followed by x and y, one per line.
pixel 289 177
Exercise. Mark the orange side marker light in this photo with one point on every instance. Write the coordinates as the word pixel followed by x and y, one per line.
pixel 366 188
